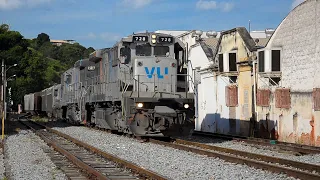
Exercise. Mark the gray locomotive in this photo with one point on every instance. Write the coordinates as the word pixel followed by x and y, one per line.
pixel 139 86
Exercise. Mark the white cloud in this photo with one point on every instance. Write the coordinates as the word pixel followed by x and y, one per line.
pixel 136 4
pixel 212 5
pixel 206 5
pixel 226 7
pixel 295 3
pixel 14 4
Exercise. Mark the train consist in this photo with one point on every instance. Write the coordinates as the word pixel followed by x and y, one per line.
pixel 139 86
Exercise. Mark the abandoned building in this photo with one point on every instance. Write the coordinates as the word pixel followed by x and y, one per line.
pixel 288 94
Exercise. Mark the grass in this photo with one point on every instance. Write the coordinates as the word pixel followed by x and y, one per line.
pixel 39 119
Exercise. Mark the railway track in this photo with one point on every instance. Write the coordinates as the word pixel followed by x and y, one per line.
pixel 301 149
pixel 277 165
pixel 82 161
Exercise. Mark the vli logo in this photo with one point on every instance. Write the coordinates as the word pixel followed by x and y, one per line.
pixel 160 76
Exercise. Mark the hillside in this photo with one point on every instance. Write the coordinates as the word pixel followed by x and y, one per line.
pixel 40 63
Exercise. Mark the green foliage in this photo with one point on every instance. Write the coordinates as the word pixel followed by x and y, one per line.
pixel 42 38
pixel 40 63
pixel 54 70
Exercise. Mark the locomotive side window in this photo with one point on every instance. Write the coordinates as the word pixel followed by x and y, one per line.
pixel 55 93
pixel 143 50
pixel 126 52
pixel 68 80
pixel 161 50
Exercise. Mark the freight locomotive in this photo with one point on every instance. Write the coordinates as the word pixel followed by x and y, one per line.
pixel 139 86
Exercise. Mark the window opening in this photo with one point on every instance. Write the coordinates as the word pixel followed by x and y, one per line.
pixel 143 50
pixel 232 62
pixel 220 62
pixel 263 97
pixel 283 99
pixel 316 99
pixel 55 93
pixel 261 61
pixel 126 53
pixel 161 51
pixel 68 80
pixel 274 81
pixel 233 79
pixel 275 60
pixel 231 96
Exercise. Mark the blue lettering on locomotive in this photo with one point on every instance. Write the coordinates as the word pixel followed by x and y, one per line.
pixel 160 76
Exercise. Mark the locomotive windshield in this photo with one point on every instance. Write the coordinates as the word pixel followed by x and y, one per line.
pixel 161 50
pixel 143 50
pixel 126 53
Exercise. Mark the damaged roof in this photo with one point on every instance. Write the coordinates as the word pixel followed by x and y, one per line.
pixel 209 46
pixel 247 39
pixel 261 42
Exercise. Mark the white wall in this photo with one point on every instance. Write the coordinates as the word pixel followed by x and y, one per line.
pixel 197 58
pixel 213 114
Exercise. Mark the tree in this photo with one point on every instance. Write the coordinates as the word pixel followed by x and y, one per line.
pixel 53 72
pixel 40 63
pixel 42 38
pixel 4 28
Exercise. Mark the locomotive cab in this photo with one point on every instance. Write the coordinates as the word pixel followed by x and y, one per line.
pixel 156 63
pixel 158 92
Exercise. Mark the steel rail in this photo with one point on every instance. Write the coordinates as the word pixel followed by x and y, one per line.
pixel 296 164
pixel 70 156
pixel 241 160
pixel 303 149
pixel 73 158
pixel 135 168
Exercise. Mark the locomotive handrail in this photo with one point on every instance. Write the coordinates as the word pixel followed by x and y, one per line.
pixel 97 85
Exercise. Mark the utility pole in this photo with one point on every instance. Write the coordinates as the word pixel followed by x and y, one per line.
pixel 5 93
pixel 2 96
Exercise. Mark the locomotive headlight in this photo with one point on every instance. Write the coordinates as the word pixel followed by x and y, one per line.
pixel 140 105
pixel 153 40
pixel 186 106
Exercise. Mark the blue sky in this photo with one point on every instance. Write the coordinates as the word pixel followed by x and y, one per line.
pixel 99 23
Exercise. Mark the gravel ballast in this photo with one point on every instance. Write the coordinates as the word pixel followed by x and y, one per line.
pixel 27 160
pixel 2 169
pixel 173 163
pixel 242 146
